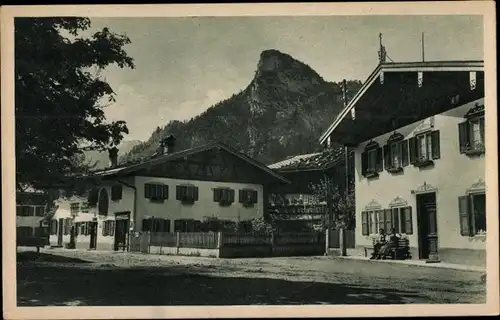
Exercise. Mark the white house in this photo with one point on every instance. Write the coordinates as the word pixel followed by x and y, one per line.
pixel 173 191
pixel 30 212
pixel 417 130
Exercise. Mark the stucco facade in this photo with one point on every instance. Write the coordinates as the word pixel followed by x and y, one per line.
pixel 164 196
pixel 452 175
pixel 205 206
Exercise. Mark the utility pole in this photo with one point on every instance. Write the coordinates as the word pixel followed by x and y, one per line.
pixel 423 48
pixel 346 155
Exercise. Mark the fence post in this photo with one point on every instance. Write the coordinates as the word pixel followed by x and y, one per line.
pixel 178 240
pixel 327 240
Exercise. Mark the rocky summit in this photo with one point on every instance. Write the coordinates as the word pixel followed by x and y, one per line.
pixel 282 112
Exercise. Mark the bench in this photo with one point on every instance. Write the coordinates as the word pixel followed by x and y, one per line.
pixel 401 252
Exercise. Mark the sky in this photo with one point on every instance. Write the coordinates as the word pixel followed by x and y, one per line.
pixel 186 64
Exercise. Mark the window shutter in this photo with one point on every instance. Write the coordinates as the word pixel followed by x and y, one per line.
pixel 105 224
pixel 231 195
pixel 177 225
pixel 240 196
pixel 464 215
pixel 217 194
pixel 255 196
pixel 146 224
pixel 395 219
pixel 388 220
pixel 178 192
pixel 412 144
pixel 379 164
pixel 364 162
pixel 387 157
pixel 404 153
pixel 165 191
pixel 463 136
pixel 364 223
pixel 147 191
pixel 436 148
pixel 166 225
pixel 408 220
pixel 112 228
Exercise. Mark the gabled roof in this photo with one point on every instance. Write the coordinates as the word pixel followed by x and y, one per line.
pixel 406 77
pixel 131 169
pixel 312 161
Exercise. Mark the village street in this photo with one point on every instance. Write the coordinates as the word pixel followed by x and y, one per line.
pixel 90 278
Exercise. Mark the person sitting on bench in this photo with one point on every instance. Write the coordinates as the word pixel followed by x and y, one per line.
pixel 381 241
pixel 392 243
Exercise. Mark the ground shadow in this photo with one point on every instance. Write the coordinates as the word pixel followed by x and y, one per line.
pixel 42 285
pixel 33 256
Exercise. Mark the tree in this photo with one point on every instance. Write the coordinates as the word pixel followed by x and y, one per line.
pixel 60 96
pixel 341 203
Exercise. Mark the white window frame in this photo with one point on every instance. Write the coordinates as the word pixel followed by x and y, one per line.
pixel 475 231
pixel 428 146
pixel 395 151
pixel 480 125
pixel 371 160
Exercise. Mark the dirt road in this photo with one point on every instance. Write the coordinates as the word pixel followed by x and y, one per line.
pixel 69 277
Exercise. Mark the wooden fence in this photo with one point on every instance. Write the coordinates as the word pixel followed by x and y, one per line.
pixel 229 244
pixel 334 239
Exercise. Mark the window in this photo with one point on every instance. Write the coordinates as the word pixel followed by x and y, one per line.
pixel 25 211
pixel 471 136
pixel 472 214
pixel 156 225
pixel 77 228
pixel 397 218
pixel 187 193
pixel 186 225
pixel 371 160
pixel 156 191
pixel 116 193
pixel 108 228
pixel 93 196
pixel 39 211
pixel 424 148
pixel 224 196
pixel 84 208
pixel 396 153
pixel 248 197
pixel 74 208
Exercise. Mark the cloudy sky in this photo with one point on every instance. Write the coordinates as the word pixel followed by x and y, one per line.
pixel 184 65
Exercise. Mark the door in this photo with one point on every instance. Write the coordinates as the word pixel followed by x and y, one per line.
pixel 60 228
pixel 93 235
pixel 121 234
pixel 427 226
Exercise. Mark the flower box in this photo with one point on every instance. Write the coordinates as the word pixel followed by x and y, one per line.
pixel 423 162
pixel 395 169
pixel 475 149
pixel 371 174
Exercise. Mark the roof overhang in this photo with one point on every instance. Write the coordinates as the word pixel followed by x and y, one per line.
pixel 130 170
pixel 398 94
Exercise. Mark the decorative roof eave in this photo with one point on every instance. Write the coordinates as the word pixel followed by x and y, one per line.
pixel 378 73
pixel 127 170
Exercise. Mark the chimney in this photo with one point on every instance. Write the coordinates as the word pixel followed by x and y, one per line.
pixel 113 157
pixel 168 145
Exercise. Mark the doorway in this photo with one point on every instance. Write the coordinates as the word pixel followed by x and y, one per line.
pixel 121 230
pixel 427 226
pixel 93 235
pixel 60 232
